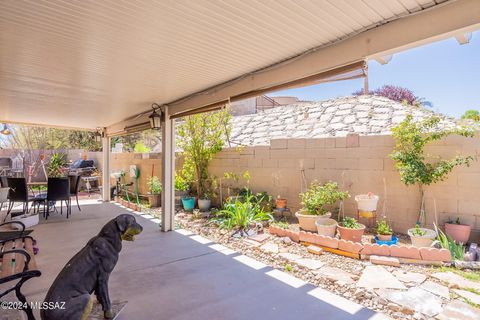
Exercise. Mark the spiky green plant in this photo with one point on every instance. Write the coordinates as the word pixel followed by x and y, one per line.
pixel 240 215
pixel 456 250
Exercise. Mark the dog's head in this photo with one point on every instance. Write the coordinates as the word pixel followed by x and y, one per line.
pixel 128 227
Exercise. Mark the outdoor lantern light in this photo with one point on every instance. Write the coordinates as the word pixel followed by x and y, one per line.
pixel 155 118
pixel 5 130
pixel 99 135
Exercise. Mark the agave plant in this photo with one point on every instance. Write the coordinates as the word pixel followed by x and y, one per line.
pixel 456 250
pixel 241 215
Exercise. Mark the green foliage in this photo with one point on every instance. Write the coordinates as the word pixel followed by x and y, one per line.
pixel 351 223
pixel 147 138
pixel 141 148
pixel 411 161
pixel 154 185
pixel 280 224
pixel 240 215
pixel 383 228
pixel 288 267
pixel 201 136
pixel 180 183
pixel 471 114
pixel 56 167
pixel 457 221
pixel 418 231
pixel 317 196
pixel 456 250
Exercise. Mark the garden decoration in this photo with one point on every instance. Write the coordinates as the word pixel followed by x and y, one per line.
pixel 458 231
pixel 417 168
pixel 88 272
pixel 314 202
pixel 351 230
pixel 125 189
pixel 280 203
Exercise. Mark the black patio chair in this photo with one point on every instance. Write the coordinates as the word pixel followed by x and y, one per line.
pixel 75 187
pixel 58 189
pixel 3 181
pixel 18 193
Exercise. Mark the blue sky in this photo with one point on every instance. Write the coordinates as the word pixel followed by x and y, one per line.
pixel 444 73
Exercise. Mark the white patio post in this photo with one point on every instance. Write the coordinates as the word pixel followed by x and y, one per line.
pixel 106 168
pixel 168 170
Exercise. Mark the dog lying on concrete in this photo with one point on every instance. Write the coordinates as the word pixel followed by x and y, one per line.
pixel 88 272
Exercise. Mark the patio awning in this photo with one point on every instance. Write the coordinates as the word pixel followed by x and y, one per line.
pixel 101 64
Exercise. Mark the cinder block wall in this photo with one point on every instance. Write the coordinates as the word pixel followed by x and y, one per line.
pixel 361 164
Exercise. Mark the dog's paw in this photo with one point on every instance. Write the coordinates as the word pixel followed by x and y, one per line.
pixel 108 314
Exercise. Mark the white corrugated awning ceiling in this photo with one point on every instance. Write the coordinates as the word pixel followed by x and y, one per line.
pixel 90 64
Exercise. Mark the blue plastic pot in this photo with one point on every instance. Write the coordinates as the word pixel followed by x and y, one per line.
pixel 388 243
pixel 188 203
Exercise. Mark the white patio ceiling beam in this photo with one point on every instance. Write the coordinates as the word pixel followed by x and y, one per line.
pixel 437 23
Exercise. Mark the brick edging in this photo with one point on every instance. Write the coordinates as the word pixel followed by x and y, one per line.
pixel 407 252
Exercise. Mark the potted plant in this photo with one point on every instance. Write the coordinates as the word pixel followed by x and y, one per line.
pixel 326 227
pixel 366 204
pixel 56 167
pixel 384 232
pixel 421 237
pixel 188 203
pixel 351 230
pixel 459 232
pixel 155 190
pixel 314 201
pixel 280 203
pixel 181 188
pixel 205 202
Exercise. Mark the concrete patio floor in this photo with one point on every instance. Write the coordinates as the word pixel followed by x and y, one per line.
pixel 175 275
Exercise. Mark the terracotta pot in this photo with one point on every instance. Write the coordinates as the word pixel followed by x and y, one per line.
pixel 280 203
pixel 307 221
pixel 458 232
pixel 354 235
pixel 154 200
pixel 326 227
pixel 384 237
pixel 422 241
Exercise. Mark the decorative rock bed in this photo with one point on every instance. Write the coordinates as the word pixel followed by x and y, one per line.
pixel 406 254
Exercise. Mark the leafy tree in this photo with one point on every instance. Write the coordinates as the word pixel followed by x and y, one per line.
pixel 471 114
pixel 416 167
pixel 399 94
pixel 201 136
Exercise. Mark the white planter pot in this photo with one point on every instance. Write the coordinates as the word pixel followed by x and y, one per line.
pixel 422 241
pixel 366 203
pixel 307 221
pixel 204 204
pixel 326 227
pixel 28 220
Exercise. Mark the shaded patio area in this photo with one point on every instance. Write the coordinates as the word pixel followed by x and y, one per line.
pixel 174 276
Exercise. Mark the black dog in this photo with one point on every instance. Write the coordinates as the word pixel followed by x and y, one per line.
pixel 88 271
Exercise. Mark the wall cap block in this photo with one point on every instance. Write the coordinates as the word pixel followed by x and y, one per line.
pixel 349 246
pixel 409 252
pixel 434 254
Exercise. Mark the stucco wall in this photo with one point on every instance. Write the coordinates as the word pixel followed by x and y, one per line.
pixel 361 164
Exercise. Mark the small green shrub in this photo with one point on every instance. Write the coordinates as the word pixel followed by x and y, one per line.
pixel 240 215
pixel 180 183
pixel 57 166
pixel 318 195
pixel 351 223
pixel 456 250
pixel 383 228
pixel 280 224
pixel 288 268
pixel 154 185
pixel 418 231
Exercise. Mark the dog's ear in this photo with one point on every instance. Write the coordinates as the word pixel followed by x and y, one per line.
pixel 122 222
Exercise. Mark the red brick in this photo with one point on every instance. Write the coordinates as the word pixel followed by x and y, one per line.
pixel 409 252
pixel 434 254
pixel 386 261
pixel 327 241
pixel 276 231
pixel 349 246
pixel 375 249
